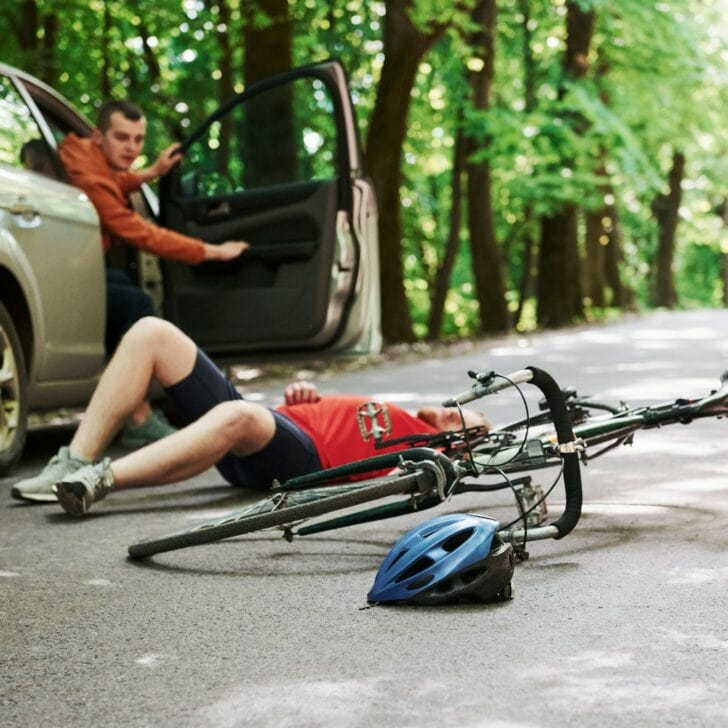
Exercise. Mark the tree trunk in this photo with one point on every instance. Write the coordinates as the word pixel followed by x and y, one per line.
pixel 525 283
pixel 603 243
pixel 441 284
pixel 39 52
pixel 153 77
pixel 530 80
pixel 49 72
pixel 621 296
pixel 226 85
pixel 106 60
pixel 27 31
pixel 723 213
pixel 404 47
pixel 486 256
pixel 666 208
pixel 594 259
pixel 270 119
pixel 150 59
pixel 269 49
pixel 559 286
pixel 558 290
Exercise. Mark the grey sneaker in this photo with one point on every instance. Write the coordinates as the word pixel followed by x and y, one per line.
pixel 40 488
pixel 77 491
pixel 154 428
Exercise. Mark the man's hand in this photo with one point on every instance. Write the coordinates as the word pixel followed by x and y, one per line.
pixel 225 251
pixel 301 393
pixel 166 160
pixel 163 163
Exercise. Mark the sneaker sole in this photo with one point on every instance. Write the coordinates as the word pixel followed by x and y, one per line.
pixel 70 502
pixel 33 497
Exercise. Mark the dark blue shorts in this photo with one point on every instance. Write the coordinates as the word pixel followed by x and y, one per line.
pixel 291 452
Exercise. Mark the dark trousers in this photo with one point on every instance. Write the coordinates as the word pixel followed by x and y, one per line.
pixel 126 303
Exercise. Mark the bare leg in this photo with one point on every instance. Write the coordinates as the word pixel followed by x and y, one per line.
pixel 151 349
pixel 239 427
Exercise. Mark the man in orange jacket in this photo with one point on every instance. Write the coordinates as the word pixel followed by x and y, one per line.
pixel 101 166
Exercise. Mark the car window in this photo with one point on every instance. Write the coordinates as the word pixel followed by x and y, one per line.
pixel 58 129
pixel 284 135
pixel 60 118
pixel 21 141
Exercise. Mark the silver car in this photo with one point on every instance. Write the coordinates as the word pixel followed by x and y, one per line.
pixel 278 165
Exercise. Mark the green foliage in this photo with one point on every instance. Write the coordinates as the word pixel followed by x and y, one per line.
pixel 656 83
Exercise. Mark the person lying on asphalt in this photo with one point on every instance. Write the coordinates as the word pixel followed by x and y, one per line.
pixel 249 444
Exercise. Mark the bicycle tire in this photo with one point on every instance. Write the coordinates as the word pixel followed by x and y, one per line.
pixel 230 525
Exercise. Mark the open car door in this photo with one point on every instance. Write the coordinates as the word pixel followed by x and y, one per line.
pixel 279 166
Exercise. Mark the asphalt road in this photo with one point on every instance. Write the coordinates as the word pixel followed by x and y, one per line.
pixel 621 623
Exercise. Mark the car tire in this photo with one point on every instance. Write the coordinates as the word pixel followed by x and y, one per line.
pixel 13 394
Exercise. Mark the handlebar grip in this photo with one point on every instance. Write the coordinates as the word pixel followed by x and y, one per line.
pixel 495 383
pixel 565 434
pixel 475 392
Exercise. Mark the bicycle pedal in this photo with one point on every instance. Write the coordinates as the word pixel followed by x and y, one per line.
pixel 374 422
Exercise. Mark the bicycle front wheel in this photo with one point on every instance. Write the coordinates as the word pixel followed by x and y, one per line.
pixel 281 509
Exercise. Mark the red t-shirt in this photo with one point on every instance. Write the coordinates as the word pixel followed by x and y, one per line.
pixel 333 426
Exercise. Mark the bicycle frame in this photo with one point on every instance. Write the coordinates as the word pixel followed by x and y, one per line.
pixel 426 476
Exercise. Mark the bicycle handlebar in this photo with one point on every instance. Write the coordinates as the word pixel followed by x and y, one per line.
pixel 716 403
pixel 565 435
pixel 490 384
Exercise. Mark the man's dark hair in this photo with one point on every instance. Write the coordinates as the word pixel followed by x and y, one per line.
pixel 127 108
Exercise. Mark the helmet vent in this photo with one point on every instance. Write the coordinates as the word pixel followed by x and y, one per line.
pixel 462 580
pixel 402 553
pixel 472 575
pixel 420 582
pixel 416 568
pixel 457 540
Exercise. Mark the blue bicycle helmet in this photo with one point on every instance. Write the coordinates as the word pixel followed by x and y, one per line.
pixel 450 558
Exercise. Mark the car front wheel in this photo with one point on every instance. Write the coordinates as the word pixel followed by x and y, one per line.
pixel 13 394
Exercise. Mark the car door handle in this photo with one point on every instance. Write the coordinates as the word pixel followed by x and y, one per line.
pixel 21 208
pixel 25 215
pixel 223 208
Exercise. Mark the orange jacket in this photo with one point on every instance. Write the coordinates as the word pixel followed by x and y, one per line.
pixel 87 168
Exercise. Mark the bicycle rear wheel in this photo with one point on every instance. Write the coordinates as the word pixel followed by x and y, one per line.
pixel 281 509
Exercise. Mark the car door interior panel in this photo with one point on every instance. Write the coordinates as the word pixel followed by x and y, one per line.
pixel 275 167
pixel 278 292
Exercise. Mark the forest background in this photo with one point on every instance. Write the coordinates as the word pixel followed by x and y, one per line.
pixel 537 162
